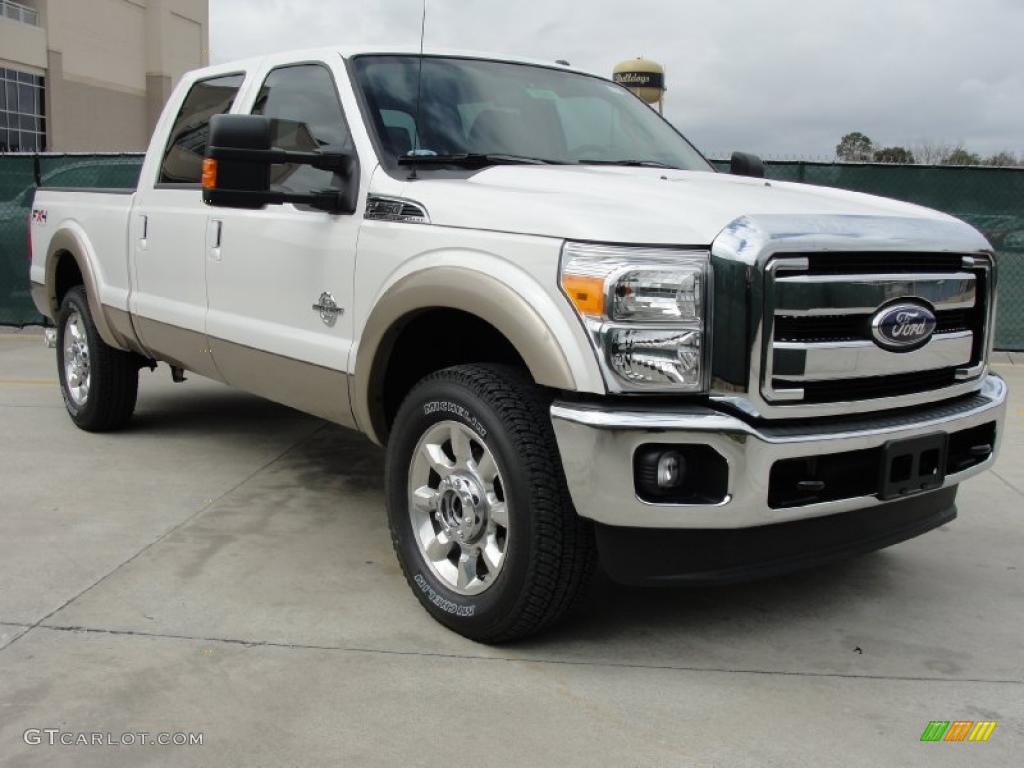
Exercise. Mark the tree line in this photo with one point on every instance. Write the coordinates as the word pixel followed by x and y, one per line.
pixel 858 148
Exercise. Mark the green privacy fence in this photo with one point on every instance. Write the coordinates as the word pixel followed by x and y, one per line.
pixel 20 174
pixel 992 199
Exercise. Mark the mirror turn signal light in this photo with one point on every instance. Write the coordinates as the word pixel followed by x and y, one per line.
pixel 209 173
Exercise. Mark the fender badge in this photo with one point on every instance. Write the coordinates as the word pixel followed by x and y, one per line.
pixel 328 308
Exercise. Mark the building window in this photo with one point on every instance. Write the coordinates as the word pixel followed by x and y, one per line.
pixel 19 12
pixel 22 112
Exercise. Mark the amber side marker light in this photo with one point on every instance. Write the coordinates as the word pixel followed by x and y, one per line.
pixel 585 292
pixel 209 173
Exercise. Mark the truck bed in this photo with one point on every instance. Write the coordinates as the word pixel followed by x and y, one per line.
pixel 100 219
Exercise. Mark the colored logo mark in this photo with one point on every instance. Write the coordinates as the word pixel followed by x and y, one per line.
pixel 958 730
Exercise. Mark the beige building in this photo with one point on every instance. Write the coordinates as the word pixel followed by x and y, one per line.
pixel 83 75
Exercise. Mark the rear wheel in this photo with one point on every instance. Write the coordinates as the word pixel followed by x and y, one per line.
pixel 99 383
pixel 480 516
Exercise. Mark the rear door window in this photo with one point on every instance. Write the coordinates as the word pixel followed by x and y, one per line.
pixel 183 157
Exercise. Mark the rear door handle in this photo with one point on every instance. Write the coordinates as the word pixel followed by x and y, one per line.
pixel 213 238
pixel 144 231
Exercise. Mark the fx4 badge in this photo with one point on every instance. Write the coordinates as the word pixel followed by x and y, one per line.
pixel 39 216
pixel 328 308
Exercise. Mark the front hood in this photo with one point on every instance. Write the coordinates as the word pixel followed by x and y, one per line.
pixel 631 205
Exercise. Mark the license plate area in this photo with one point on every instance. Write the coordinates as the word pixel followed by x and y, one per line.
pixel 912 466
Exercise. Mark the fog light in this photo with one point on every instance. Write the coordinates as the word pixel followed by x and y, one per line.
pixel 671 468
pixel 660 471
pixel 680 474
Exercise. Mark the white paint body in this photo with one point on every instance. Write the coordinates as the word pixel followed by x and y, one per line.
pixel 155 252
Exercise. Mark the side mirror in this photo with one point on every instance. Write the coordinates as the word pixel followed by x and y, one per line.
pixel 745 164
pixel 239 156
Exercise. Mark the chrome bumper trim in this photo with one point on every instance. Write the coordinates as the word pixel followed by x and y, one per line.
pixel 597 447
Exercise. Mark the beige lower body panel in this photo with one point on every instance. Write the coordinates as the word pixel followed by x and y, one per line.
pixel 310 388
pixel 115 325
pixel 122 327
pixel 307 387
pixel 178 346
pixel 41 299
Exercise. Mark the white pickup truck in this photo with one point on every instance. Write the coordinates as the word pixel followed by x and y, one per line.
pixel 577 340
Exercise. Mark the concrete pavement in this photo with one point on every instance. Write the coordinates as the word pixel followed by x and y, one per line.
pixel 224 567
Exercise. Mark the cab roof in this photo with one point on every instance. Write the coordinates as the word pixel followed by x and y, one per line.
pixel 348 52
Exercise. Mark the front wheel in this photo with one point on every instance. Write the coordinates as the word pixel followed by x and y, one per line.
pixel 100 384
pixel 480 516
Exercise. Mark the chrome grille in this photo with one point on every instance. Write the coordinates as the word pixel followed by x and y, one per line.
pixel 856 327
pixel 818 346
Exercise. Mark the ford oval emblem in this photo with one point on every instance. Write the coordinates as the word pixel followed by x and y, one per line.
pixel 903 327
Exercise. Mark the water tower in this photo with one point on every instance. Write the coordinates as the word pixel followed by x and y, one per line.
pixel 643 77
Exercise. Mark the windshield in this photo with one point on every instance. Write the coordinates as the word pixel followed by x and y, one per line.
pixel 505 111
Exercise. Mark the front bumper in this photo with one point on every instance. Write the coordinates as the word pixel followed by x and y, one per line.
pixel 659 557
pixel 597 447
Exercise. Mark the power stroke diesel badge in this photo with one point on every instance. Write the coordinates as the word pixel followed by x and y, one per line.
pixel 902 327
pixel 328 308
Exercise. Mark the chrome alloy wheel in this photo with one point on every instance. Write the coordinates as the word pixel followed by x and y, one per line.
pixel 76 359
pixel 457 507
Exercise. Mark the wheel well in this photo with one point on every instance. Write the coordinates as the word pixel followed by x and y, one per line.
pixel 66 276
pixel 427 341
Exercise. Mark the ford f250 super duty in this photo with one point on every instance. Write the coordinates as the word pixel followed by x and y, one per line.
pixel 578 342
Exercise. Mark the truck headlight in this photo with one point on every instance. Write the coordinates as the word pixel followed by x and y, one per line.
pixel 658 295
pixel 644 310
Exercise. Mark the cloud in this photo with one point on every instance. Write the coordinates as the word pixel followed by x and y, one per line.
pixel 779 78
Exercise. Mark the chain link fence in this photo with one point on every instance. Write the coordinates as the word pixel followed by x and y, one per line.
pixel 20 174
pixel 991 199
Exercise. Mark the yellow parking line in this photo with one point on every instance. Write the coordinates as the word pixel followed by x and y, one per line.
pixel 30 382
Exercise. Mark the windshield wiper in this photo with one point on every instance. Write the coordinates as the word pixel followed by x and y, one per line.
pixel 472 160
pixel 633 163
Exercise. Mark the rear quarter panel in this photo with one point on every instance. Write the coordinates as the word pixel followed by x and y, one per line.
pixel 97 223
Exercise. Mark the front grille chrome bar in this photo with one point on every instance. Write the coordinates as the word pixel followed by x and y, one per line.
pixel 795 361
pixel 814 295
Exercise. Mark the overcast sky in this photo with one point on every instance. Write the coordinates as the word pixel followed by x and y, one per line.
pixel 777 77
